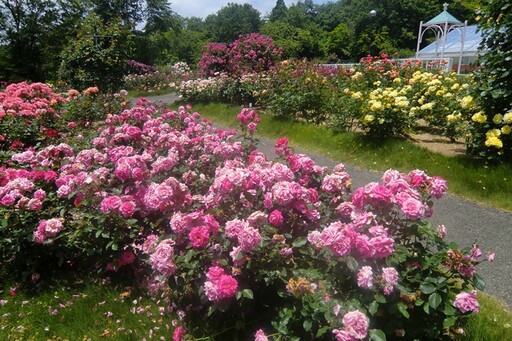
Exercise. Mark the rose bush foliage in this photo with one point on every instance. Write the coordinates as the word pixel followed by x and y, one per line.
pixel 238 244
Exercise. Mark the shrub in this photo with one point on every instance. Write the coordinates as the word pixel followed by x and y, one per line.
pixel 92 105
pixel 252 53
pixel 97 57
pixel 237 242
pixel 28 115
pixel 214 60
pixel 138 68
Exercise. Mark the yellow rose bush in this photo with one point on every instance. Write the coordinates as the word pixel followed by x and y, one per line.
pixel 490 137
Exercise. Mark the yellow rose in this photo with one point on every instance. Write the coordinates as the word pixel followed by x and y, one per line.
pixel 368 118
pixel 479 117
pixel 507 118
pixel 494 142
pixel 466 102
pixel 506 129
pixel 493 133
pixel 497 118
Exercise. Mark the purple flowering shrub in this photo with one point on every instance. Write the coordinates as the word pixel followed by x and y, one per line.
pixel 237 244
pixel 138 68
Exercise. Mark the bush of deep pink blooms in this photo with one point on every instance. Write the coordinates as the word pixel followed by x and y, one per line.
pixel 239 245
pixel 250 53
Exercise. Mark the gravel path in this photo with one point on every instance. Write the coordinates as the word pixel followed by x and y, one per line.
pixel 466 222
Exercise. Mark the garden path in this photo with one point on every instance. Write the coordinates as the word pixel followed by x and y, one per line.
pixel 466 222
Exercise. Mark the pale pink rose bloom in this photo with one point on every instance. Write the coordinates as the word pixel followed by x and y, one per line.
pixel 249 238
pixel 365 277
pixel 383 246
pixel 260 336
pixel 466 302
pixel 211 292
pixel 53 226
pixel 161 259
pixel 413 208
pixel 390 279
pixel 110 204
pixel 342 335
pixel 257 219
pixel 234 227
pixel 491 256
pixel 364 247
pixel 356 324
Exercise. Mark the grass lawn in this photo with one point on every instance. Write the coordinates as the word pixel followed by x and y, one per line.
pixel 81 310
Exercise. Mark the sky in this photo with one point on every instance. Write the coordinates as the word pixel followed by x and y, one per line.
pixel 202 8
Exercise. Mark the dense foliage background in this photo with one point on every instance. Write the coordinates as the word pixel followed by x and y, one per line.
pixel 36 34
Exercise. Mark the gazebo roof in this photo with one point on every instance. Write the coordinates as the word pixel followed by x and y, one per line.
pixel 453 42
pixel 443 18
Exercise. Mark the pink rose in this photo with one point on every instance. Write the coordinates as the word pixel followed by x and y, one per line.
pixel 365 277
pixel 356 324
pixel 127 209
pixel 199 237
pixel 466 302
pixel 413 208
pixel 275 218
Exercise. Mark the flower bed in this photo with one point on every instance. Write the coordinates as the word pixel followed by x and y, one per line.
pixel 378 96
pixel 238 244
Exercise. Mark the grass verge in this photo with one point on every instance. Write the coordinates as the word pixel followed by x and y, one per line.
pixel 81 310
pixel 489 185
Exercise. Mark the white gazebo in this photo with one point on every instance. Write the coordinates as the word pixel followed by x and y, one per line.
pixel 451 39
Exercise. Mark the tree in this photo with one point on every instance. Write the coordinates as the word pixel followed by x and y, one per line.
pixel 97 56
pixel 232 21
pixel 339 42
pixel 278 12
pixel 159 16
pixel 296 42
pixel 129 12
pixel 26 26
pixel 495 78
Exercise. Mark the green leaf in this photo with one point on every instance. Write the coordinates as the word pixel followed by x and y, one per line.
pixel 402 307
pixel 380 299
pixel 247 293
pixel 449 310
pixel 449 321
pixel 115 247
pixel 352 263
pixel 299 242
pixel 322 331
pixel 427 288
pixel 426 308
pixel 435 300
pixel 478 282
pixel 377 335
pixel 307 325
pixel 374 306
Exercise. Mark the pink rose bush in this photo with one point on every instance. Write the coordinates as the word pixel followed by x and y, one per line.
pixel 225 234
pixel 28 113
